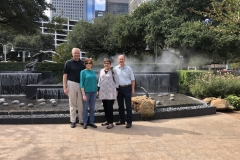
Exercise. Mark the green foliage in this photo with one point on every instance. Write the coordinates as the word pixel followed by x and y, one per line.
pixel 215 85
pixel 186 78
pixel 56 24
pixel 234 101
pixel 22 16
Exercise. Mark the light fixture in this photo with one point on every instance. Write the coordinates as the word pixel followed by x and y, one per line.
pixel 147 48
pixel 29 55
pixel 12 50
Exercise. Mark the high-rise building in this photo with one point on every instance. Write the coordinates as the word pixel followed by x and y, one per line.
pixel 73 10
pixel 133 4
pixel 90 10
pixel 117 6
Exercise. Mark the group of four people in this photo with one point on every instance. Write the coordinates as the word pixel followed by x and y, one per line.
pixel 81 86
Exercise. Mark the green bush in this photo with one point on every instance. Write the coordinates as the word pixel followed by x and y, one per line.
pixel 187 77
pixel 211 85
pixel 234 100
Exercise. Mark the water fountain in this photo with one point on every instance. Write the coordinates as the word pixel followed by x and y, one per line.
pixel 33 86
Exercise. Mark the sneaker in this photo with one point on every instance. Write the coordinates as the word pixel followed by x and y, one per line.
pixel 105 123
pixel 85 126
pixel 93 125
pixel 110 126
pixel 120 123
pixel 73 125
pixel 128 126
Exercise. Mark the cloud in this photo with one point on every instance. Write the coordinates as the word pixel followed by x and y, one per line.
pixel 100 2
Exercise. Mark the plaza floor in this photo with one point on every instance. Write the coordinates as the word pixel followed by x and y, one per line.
pixel 205 137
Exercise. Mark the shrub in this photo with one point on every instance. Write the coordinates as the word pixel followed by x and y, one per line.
pixel 234 100
pixel 186 77
pixel 211 85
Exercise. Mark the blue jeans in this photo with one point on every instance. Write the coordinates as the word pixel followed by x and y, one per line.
pixel 90 103
pixel 125 94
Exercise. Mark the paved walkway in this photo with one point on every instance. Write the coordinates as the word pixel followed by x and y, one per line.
pixel 206 137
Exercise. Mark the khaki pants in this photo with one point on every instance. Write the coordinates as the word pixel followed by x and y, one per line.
pixel 75 100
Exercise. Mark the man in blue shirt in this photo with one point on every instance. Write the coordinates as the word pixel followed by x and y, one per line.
pixel 126 89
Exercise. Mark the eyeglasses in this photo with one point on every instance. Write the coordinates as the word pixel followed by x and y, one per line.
pixel 88 63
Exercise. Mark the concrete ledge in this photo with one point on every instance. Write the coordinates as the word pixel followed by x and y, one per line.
pixel 62 117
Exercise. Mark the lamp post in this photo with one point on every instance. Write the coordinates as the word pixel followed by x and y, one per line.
pixel 5 50
pixel 154 50
pixel 24 54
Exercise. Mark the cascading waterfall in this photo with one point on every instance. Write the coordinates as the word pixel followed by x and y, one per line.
pixel 15 83
pixel 152 83
pixel 51 93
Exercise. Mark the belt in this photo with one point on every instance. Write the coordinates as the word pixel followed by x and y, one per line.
pixel 125 85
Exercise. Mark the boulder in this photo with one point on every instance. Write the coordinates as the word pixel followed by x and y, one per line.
pixel 144 105
pixel 209 99
pixel 221 104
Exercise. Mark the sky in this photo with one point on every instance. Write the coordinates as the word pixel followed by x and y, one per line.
pixel 100 5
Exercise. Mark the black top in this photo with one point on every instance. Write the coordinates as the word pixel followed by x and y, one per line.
pixel 73 68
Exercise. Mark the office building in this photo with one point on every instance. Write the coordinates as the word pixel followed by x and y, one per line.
pixel 99 13
pixel 133 4
pixel 60 36
pixel 117 6
pixel 73 10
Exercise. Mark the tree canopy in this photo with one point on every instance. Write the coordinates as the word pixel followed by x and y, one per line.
pixel 22 16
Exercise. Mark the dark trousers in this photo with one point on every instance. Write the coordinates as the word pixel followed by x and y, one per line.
pixel 108 109
pixel 125 94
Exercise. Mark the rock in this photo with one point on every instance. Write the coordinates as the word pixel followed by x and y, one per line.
pixel 22 104
pixel 171 98
pixel 221 104
pixel 16 102
pixel 52 100
pixel 42 103
pixel 209 99
pixel 2 100
pixel 30 105
pixel 158 103
pixel 5 104
pixel 41 100
pixel 53 103
pixel 160 95
pixel 144 105
pixel 172 95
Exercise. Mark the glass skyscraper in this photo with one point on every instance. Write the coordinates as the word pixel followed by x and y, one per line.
pixel 90 10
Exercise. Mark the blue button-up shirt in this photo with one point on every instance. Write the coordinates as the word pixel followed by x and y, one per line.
pixel 125 75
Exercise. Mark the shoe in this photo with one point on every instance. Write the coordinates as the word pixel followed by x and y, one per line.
pixel 81 123
pixel 73 125
pixel 85 126
pixel 105 123
pixel 93 125
pixel 120 123
pixel 128 126
pixel 110 126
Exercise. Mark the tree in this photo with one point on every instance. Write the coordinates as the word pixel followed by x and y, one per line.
pixel 95 38
pixel 22 16
pixel 224 15
pixel 33 44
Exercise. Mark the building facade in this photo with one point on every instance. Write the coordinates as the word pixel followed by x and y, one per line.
pixel 117 6
pixel 60 36
pixel 73 10
pixel 133 4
